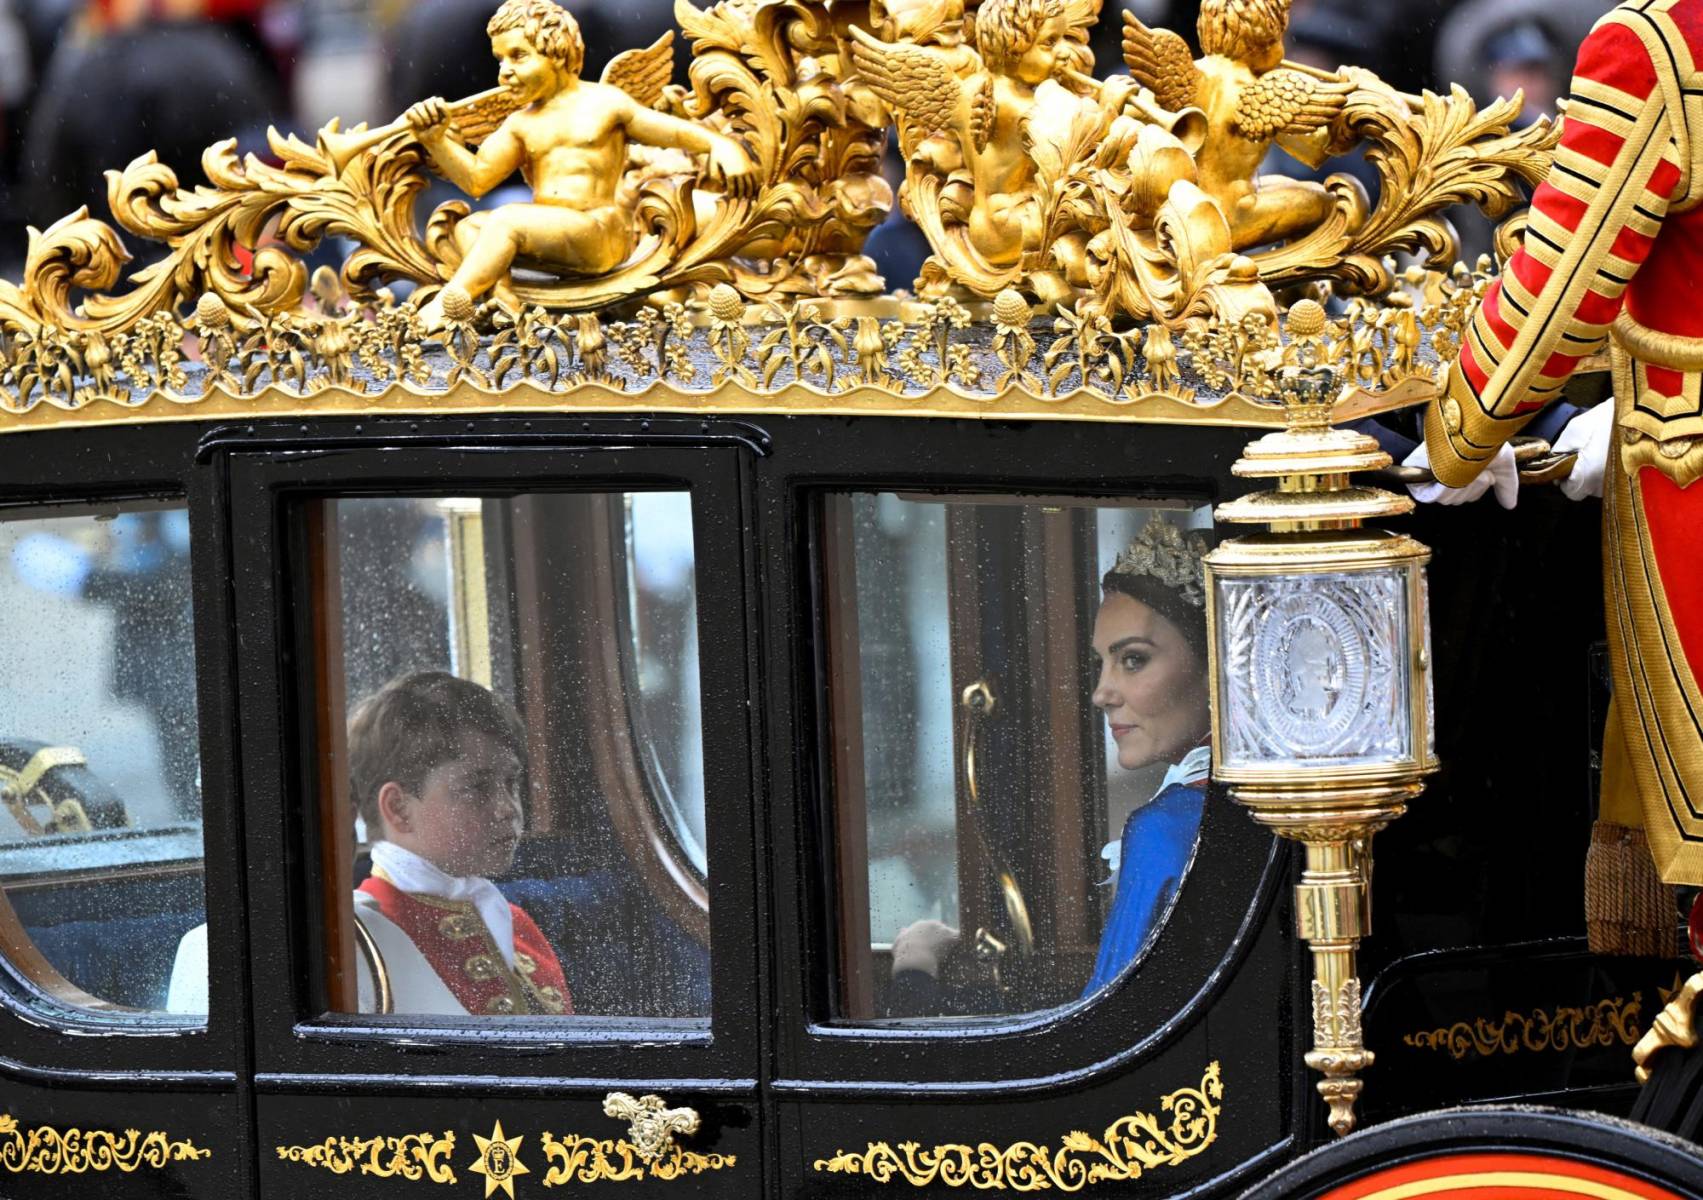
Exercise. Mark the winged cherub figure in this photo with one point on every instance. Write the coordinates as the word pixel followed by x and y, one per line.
pixel 1252 97
pixel 568 138
pixel 962 111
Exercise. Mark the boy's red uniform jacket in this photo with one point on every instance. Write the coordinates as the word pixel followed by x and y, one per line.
pixel 1613 256
pixel 453 939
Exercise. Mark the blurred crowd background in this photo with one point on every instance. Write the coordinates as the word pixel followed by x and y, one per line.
pixel 87 85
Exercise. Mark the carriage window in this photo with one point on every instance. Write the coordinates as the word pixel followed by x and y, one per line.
pixel 1017 738
pixel 506 746
pixel 100 787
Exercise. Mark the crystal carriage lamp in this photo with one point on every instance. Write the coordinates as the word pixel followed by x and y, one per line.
pixel 1321 689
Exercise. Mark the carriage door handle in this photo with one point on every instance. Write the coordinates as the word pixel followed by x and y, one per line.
pixel 978 702
pixel 651 1124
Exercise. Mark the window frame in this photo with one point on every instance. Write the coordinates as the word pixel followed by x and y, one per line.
pixel 1050 625
pixel 295 1041
pixel 1231 899
pixel 59 473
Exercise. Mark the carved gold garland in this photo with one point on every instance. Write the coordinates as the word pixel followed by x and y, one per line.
pixel 577 1159
pixel 786 356
pixel 1128 1148
pixel 411 1156
pixel 1610 1022
pixel 48 1151
pixel 573 1158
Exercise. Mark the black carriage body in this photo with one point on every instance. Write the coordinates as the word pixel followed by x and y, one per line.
pixel 1475 971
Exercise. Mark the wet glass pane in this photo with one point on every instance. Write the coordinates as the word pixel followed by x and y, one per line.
pixel 1019 727
pixel 663 647
pixel 515 769
pixel 100 782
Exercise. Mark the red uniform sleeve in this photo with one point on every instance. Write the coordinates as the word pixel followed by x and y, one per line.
pixel 1593 221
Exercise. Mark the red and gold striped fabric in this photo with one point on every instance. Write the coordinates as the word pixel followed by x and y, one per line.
pixel 1601 236
pixel 1615 248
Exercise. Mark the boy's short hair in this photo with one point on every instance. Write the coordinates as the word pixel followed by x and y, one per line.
pixel 413 725
pixel 547 25
pixel 1006 30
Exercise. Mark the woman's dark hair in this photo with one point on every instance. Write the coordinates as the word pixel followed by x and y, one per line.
pixel 1168 602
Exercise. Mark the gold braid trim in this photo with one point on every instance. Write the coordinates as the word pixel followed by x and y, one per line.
pixel 1671 350
pixel 1672 444
pixel 1460 436
pixel 1671 61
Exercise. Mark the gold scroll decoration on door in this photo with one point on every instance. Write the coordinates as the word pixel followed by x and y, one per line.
pixel 48 1151
pixel 1128 1148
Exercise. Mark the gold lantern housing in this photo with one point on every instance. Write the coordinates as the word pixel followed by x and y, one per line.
pixel 1321 688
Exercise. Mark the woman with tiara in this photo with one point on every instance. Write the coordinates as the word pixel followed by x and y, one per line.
pixel 1150 659
pixel 1149 647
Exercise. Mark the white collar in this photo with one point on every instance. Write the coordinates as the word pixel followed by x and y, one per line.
pixel 412 873
pixel 1196 767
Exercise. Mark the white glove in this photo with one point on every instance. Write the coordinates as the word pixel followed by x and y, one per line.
pixel 1500 473
pixel 1589 434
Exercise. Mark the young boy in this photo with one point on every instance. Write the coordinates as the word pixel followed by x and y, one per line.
pixel 436 764
pixel 569 139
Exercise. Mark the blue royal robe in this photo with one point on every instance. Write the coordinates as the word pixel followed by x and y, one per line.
pixel 1154 854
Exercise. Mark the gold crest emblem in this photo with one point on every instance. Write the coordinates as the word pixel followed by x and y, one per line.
pixel 498 1161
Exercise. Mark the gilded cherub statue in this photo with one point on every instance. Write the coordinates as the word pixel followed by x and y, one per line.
pixel 568 137
pixel 1022 170
pixel 1252 97
pixel 1001 138
pixel 962 110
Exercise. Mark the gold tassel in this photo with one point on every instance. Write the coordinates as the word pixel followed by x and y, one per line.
pixel 1628 909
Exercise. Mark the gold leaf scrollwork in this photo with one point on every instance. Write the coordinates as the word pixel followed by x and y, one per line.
pixel 412 1156
pixel 48 1151
pixel 1610 1022
pixel 575 1158
pixel 1429 153
pixel 243 237
pixel 1129 1147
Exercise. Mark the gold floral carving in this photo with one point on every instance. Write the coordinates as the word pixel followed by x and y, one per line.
pixel 1675 1025
pixel 572 1158
pixel 931 359
pixel 413 1156
pixel 48 1151
pixel 1439 152
pixel 577 1159
pixel 1610 1022
pixel 651 1124
pixel 1127 1149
